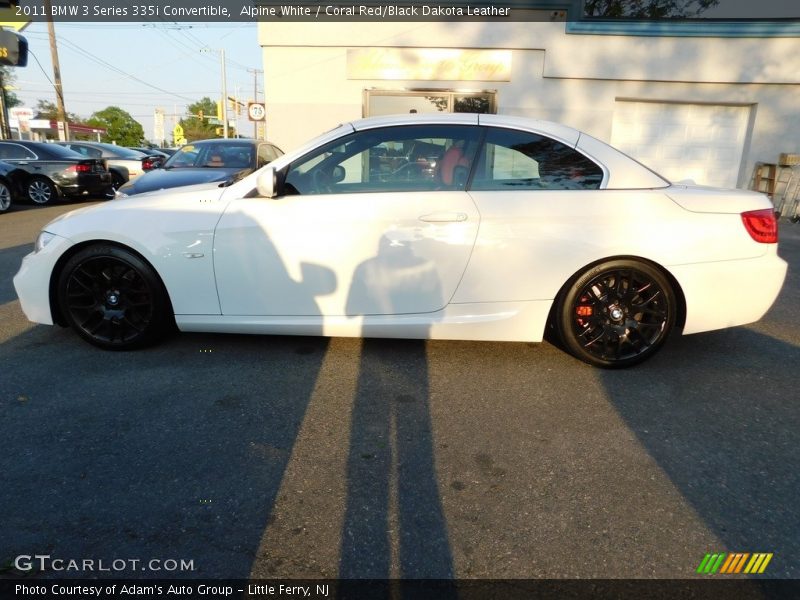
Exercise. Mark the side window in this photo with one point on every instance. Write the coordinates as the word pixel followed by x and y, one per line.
pixel 517 160
pixel 391 159
pixel 15 152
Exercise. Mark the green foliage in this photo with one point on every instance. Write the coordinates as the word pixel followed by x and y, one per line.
pixel 196 129
pixel 121 128
pixel 7 80
pixel 647 9
pixel 48 110
pixel 193 127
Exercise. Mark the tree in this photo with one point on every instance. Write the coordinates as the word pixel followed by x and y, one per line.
pixel 196 126
pixel 647 9
pixel 120 126
pixel 7 78
pixel 48 110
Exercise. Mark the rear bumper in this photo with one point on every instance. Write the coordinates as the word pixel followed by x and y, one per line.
pixel 729 293
pixel 94 183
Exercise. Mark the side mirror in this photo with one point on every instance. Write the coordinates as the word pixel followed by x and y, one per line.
pixel 267 183
pixel 338 174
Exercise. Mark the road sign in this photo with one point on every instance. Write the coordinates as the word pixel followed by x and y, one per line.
pixel 256 111
pixel 13 49
pixel 177 131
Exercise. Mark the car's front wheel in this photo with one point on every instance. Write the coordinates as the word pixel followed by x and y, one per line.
pixel 616 314
pixel 42 191
pixel 5 197
pixel 113 298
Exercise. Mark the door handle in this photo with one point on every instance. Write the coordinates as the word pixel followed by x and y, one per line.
pixel 444 217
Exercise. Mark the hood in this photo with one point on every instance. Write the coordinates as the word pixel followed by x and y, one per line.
pixel 160 179
pixel 143 213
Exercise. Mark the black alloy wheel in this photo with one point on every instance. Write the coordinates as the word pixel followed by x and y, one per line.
pixel 617 314
pixel 42 191
pixel 112 298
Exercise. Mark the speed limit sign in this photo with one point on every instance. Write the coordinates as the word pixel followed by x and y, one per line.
pixel 256 111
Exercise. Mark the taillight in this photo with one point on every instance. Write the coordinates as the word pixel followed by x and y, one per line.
pixel 80 168
pixel 148 163
pixel 761 225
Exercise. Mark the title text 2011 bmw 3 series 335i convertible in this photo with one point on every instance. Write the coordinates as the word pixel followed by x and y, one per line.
pixel 475 227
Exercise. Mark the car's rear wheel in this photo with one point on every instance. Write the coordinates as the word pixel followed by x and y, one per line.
pixel 117 181
pixel 5 197
pixel 113 298
pixel 616 314
pixel 42 191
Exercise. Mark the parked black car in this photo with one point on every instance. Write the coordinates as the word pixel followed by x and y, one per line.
pixel 205 161
pixel 52 171
pixel 12 181
pixel 123 163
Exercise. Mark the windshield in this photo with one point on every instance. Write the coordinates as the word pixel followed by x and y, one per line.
pixel 213 155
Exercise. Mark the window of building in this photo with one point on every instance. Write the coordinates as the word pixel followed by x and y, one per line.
pixel 395 102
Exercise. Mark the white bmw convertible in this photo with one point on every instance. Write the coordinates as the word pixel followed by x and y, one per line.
pixel 473 227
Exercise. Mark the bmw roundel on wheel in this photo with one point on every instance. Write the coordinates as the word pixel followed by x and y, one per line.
pixel 463 226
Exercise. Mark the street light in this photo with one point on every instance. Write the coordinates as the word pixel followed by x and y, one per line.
pixel 224 91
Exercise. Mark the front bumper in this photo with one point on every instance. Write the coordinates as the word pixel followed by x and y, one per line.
pixel 32 281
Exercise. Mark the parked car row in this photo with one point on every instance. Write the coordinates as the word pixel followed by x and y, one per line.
pixel 44 172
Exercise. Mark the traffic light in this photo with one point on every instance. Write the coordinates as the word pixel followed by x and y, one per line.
pixel 219 110
pixel 200 114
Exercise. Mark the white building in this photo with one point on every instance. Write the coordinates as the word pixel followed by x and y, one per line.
pixel 692 101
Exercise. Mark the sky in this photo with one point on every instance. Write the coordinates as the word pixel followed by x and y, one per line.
pixel 140 66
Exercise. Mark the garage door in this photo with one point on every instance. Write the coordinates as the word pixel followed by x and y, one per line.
pixel 700 142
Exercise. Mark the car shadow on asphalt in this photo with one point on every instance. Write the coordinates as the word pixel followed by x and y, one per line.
pixel 725 437
pixel 123 455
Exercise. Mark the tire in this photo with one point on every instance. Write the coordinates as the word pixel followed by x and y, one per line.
pixel 616 314
pixel 41 191
pixel 113 299
pixel 116 180
pixel 5 197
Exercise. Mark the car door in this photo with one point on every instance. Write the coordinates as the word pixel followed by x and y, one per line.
pixel 543 216
pixel 371 209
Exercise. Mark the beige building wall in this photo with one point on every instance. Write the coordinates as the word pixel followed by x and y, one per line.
pixel 577 80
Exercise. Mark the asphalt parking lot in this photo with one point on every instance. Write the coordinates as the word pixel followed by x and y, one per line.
pixel 302 457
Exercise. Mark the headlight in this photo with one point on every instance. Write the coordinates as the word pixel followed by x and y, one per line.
pixel 43 239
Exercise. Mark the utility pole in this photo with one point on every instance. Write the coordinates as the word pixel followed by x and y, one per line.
pixel 255 73
pixel 63 126
pixel 224 90
pixel 224 96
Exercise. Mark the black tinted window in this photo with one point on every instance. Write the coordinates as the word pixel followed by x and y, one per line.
pixel 514 160
pixel 15 151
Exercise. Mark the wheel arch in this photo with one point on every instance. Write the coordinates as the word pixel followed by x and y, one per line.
pixel 55 308
pixel 680 317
